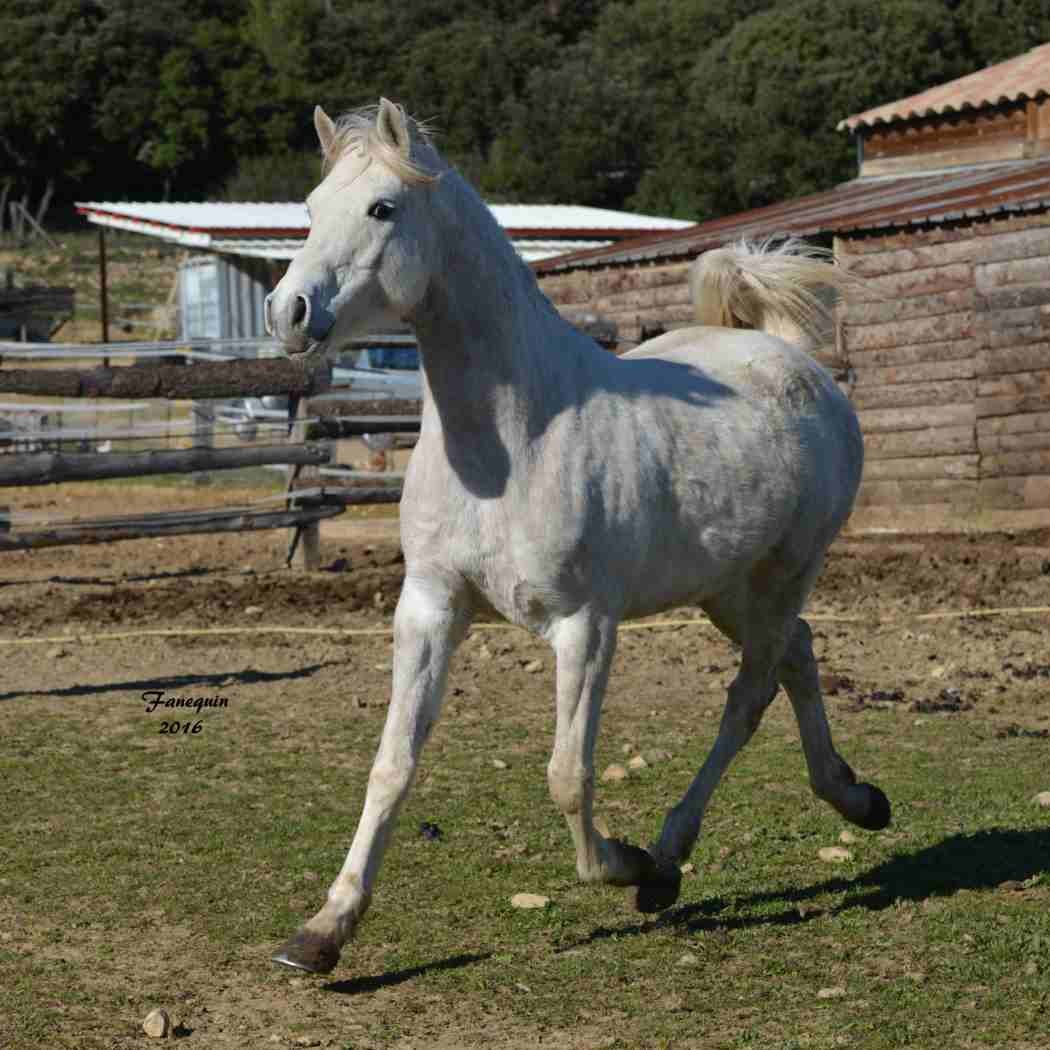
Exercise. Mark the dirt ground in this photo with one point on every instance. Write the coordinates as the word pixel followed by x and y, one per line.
pixel 877 652
pixel 240 580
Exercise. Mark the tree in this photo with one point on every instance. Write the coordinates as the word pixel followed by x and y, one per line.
pixel 763 101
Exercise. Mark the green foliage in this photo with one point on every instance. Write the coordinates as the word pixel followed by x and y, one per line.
pixel 687 107
pixel 280 177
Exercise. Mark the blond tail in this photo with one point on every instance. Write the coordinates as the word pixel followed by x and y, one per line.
pixel 788 289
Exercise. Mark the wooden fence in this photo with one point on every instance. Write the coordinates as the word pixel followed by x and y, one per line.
pixel 303 508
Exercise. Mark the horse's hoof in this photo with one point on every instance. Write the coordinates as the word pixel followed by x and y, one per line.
pixel 878 814
pixel 308 951
pixel 659 890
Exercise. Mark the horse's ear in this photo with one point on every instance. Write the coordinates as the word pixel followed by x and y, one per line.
pixel 325 130
pixel 392 126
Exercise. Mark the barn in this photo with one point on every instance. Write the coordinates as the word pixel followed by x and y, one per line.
pixel 947 360
pixel 237 251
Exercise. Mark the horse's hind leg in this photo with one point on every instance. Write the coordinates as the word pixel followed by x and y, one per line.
pixel 830 776
pixel 750 693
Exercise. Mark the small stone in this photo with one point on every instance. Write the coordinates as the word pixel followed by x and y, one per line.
pixel 484 652
pixel 652 757
pixel 253 610
pixel 638 763
pixel 57 654
pixel 613 773
pixel 688 868
pixel 1042 799
pixel 498 763
pixel 834 854
pixel 157 1024
pixel 626 749
pixel 847 838
pixel 533 667
pixel 307 1040
pixel 309 876
pixel 529 900
pixel 377 599
pixel 835 992
pixel 687 959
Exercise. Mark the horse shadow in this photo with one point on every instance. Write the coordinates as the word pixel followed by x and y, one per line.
pixel 363 985
pixel 178 682
pixel 983 860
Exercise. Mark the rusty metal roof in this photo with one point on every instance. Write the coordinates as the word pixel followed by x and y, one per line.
pixel 1025 77
pixel 861 205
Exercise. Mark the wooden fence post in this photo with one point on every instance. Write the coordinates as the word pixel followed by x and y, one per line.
pixel 203 433
pixel 308 553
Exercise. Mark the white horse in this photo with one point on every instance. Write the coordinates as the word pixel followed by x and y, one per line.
pixel 568 489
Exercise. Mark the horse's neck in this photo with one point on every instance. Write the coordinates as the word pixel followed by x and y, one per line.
pixel 499 362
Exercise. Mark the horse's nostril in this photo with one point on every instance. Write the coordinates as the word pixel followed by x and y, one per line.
pixel 299 311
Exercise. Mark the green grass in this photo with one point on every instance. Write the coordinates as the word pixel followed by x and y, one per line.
pixel 140 869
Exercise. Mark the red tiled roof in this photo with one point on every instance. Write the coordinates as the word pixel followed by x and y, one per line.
pixel 863 204
pixel 1024 77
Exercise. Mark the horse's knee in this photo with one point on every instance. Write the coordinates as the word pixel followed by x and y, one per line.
pixel 568 784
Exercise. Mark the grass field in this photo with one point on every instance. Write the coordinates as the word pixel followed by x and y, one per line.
pixel 143 870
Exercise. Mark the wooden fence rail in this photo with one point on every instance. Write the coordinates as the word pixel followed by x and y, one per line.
pixel 179 523
pixel 198 382
pixel 49 468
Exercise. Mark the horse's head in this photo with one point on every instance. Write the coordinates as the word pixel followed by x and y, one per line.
pixel 367 260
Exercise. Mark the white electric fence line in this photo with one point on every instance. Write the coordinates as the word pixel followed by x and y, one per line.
pixel 387 631
pixel 17 518
pixel 177 428
pixel 73 406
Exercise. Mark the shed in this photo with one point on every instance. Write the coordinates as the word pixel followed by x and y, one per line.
pixel 948 361
pixel 240 249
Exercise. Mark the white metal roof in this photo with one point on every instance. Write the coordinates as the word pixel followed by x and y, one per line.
pixel 275 230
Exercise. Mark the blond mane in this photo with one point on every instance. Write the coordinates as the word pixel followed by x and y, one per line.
pixel 356 132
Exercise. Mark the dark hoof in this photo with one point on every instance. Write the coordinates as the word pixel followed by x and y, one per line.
pixel 878 814
pixel 659 891
pixel 307 951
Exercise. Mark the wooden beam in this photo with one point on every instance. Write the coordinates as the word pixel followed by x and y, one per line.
pixel 210 379
pixel 238 520
pixel 49 468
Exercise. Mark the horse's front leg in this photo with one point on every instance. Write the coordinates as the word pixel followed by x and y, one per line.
pixel 584 645
pixel 430 621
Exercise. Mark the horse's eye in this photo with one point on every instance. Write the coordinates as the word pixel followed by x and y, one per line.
pixel 381 210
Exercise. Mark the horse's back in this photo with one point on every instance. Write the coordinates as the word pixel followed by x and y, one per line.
pixel 769 391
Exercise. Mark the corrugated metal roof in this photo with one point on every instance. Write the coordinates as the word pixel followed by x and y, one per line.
pixel 530 249
pixel 291 219
pixel 1024 77
pixel 863 204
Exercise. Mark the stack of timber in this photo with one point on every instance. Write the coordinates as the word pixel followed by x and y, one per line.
pixel 1013 370
pixel 912 345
